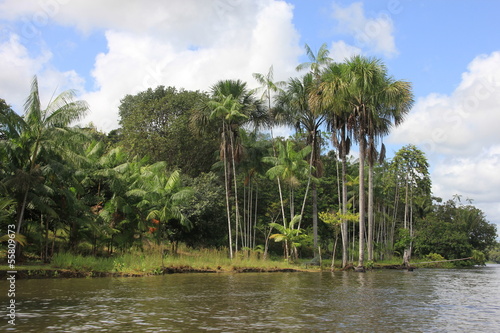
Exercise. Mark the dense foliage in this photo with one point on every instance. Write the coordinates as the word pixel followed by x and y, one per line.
pixel 205 169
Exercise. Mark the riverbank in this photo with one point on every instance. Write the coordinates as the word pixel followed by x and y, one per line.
pixel 44 271
pixel 40 272
pixel 150 263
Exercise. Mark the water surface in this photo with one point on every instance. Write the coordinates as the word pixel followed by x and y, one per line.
pixel 425 300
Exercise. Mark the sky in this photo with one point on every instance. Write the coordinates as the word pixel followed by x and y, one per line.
pixel 449 50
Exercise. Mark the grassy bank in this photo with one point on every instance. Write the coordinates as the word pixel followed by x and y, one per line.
pixel 153 262
pixel 150 262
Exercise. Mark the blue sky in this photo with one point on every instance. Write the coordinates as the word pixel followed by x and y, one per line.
pixel 449 50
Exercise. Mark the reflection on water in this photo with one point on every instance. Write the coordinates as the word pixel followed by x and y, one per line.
pixel 380 301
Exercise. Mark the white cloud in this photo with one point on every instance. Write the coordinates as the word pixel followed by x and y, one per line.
pixel 18 67
pixel 374 34
pixel 136 61
pixel 341 51
pixel 184 43
pixel 459 134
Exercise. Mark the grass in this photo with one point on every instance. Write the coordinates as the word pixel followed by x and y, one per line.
pixel 151 261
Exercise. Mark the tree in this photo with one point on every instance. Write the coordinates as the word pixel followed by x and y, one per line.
pixel 291 236
pixel 290 167
pixel 161 196
pixel 410 169
pixel 293 108
pixel 369 92
pixel 393 102
pixel 158 121
pixel 34 134
pixel 340 120
pixel 231 107
pixel 316 61
pixel 454 232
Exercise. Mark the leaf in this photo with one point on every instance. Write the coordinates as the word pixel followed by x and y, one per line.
pixel 21 239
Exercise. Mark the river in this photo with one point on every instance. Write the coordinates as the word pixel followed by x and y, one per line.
pixel 425 300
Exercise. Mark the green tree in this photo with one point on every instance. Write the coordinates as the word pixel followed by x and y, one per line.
pixel 38 132
pixel 290 167
pixel 454 232
pixel 368 91
pixel 316 61
pixel 294 109
pixel 161 197
pixel 394 102
pixel 339 117
pixel 231 107
pixel 291 236
pixel 158 121
pixel 411 173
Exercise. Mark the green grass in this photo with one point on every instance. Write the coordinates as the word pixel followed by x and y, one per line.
pixel 150 261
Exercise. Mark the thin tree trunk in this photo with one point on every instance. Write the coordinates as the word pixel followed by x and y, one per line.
pixel 46 256
pixel 370 211
pixel 332 268
pixel 237 212
pixel 279 182
pixel 361 208
pixel 345 236
pixel 315 233
pixel 226 181
pixel 315 214
pixel 255 214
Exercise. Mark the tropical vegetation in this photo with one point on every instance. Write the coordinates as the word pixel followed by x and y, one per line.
pixel 205 170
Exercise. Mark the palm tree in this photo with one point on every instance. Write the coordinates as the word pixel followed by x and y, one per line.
pixel 395 101
pixel 316 61
pixel 232 106
pixel 290 235
pixel 161 197
pixel 289 167
pixel 268 86
pixel 34 134
pixel 293 108
pixel 362 87
pixel 340 120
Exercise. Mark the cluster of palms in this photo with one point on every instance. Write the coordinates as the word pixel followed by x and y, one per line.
pixel 356 101
pixel 68 183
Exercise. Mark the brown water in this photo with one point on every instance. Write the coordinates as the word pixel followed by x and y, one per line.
pixel 466 300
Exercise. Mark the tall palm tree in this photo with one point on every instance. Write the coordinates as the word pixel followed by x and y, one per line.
pixel 316 61
pixel 270 87
pixel 394 102
pixel 39 131
pixel 293 108
pixel 232 106
pixel 362 87
pixel 340 120
pixel 289 167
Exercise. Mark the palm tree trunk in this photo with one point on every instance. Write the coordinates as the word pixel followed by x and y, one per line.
pixel 332 268
pixel 237 219
pixel 20 221
pixel 255 214
pixel 21 212
pixel 314 192
pixel 345 240
pixel 279 184
pixel 305 197
pixel 226 181
pixel 362 148
pixel 370 210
